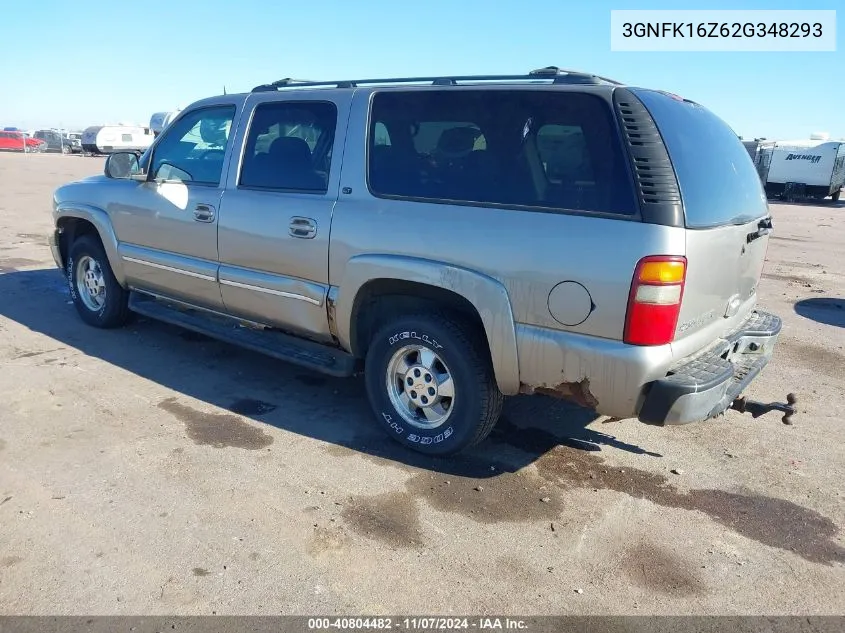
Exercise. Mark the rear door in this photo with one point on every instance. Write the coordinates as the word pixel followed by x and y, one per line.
pixel 276 214
pixel 726 213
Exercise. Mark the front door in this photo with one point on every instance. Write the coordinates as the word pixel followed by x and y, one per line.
pixel 276 216
pixel 167 226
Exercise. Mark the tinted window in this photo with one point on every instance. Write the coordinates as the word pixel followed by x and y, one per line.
pixel 193 148
pixel 289 146
pixel 546 149
pixel 719 183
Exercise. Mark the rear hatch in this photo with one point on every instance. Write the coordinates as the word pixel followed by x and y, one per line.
pixel 726 214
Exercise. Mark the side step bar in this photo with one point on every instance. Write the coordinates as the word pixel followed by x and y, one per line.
pixel 295 350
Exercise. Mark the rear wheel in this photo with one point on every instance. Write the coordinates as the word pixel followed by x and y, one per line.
pixel 99 298
pixel 431 385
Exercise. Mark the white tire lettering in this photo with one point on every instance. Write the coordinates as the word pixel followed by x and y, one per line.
pixel 425 338
pixel 413 437
pixel 70 283
pixel 393 425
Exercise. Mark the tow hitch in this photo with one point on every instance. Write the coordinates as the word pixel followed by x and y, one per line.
pixel 757 408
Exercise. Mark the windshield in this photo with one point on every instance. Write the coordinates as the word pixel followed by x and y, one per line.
pixel 719 183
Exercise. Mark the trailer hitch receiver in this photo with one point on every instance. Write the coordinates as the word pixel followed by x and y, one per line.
pixel 757 408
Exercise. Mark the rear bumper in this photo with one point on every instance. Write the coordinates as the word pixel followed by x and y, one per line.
pixel 705 385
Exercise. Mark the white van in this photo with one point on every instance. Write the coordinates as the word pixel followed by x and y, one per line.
pixel 105 139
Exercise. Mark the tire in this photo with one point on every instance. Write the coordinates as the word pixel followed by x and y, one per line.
pixel 109 310
pixel 476 402
pixel 835 196
pixel 66 149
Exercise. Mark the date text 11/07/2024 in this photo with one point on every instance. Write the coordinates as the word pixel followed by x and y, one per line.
pixel 418 624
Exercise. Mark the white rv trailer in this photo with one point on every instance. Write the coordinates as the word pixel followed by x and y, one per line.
pixel 812 168
pixel 105 139
pixel 161 120
pixel 760 152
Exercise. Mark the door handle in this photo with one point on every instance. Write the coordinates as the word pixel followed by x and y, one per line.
pixel 304 228
pixel 204 213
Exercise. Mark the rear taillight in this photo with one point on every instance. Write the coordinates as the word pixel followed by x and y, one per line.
pixel 655 300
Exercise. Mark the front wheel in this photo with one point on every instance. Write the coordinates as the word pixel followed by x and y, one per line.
pixel 430 383
pixel 99 298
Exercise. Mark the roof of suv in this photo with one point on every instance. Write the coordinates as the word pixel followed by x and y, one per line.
pixel 542 78
pixel 547 75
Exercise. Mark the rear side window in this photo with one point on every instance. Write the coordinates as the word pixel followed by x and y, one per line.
pixel 289 146
pixel 718 181
pixel 537 149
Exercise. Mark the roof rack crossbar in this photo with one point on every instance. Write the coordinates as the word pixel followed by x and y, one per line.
pixel 550 73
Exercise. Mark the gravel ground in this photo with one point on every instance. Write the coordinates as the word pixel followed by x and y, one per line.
pixel 150 471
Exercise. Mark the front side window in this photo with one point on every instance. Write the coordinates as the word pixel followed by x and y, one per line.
pixel 289 146
pixel 522 148
pixel 194 147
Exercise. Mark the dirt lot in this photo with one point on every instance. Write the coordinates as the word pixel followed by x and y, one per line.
pixel 147 470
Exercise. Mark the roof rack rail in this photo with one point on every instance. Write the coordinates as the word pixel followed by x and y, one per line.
pixel 287 81
pixel 553 73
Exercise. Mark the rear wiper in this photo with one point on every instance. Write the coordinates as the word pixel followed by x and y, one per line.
pixel 764 227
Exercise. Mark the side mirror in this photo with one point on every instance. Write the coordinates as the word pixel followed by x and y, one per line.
pixel 123 165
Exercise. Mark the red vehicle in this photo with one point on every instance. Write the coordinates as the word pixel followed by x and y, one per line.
pixel 19 142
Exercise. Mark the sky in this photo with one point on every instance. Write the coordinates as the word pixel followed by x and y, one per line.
pixel 89 62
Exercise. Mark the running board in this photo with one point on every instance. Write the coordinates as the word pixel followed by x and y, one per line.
pixel 295 350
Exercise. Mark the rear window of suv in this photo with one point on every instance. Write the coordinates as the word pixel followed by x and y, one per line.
pixel 545 150
pixel 718 181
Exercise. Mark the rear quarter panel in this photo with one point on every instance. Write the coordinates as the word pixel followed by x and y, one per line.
pixel 529 252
